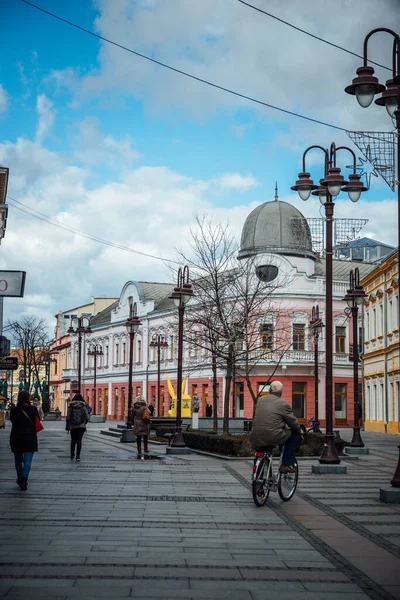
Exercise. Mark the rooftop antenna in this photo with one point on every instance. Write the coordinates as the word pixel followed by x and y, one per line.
pixel 276 191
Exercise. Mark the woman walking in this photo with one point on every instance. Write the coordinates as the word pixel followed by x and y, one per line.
pixel 77 417
pixel 140 415
pixel 23 438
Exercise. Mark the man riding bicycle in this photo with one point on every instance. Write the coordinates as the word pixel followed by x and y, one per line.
pixel 271 417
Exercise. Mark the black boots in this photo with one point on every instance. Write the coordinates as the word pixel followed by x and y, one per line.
pixel 23 483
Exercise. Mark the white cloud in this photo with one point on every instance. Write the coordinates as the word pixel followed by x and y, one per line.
pixel 235 181
pixel 3 99
pixel 95 148
pixel 46 116
pixel 237 47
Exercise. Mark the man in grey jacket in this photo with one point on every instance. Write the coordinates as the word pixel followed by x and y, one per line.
pixel 271 417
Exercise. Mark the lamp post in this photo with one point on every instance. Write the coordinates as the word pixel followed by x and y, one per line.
pixel 82 326
pixel 95 350
pixel 354 298
pixel 132 325
pixel 316 326
pixel 365 86
pixel 181 296
pixel 158 341
pixel 330 186
pixel 48 359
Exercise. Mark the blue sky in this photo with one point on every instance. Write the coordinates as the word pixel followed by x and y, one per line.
pixel 115 146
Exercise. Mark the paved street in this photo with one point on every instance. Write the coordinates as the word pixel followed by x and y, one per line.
pixel 115 527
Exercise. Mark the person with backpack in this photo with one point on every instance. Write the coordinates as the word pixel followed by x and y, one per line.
pixel 77 417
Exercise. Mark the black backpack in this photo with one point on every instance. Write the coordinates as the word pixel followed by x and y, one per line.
pixel 77 414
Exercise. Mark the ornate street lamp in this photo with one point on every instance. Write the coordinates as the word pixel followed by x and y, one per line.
pixel 95 350
pixel 316 326
pixel 158 341
pixel 354 298
pixel 330 186
pixel 365 86
pixel 181 295
pixel 79 326
pixel 132 325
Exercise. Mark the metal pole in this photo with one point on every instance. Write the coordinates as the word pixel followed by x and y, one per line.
pixel 316 410
pixel 129 422
pixel 356 441
pixel 79 359
pixel 158 375
pixel 329 454
pixel 178 440
pixel 94 381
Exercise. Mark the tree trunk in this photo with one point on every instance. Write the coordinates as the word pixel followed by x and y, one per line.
pixel 228 382
pixel 215 396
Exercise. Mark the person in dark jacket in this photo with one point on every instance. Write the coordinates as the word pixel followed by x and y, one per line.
pixel 23 438
pixel 274 424
pixel 140 424
pixel 77 417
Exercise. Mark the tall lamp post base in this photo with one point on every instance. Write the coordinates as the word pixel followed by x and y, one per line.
pixel 356 441
pixel 395 482
pixel 329 454
pixel 178 441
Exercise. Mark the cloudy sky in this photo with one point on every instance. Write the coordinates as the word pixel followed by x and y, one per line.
pixel 102 141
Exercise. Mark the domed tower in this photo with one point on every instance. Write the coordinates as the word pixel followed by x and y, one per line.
pixel 278 228
pixel 278 237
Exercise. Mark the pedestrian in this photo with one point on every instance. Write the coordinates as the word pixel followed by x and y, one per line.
pixel 151 409
pixel 208 410
pixel 77 417
pixel 140 416
pixel 40 410
pixel 23 438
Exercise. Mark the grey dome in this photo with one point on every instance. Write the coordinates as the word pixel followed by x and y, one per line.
pixel 276 227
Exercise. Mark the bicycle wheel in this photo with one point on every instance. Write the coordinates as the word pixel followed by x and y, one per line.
pixel 287 483
pixel 259 486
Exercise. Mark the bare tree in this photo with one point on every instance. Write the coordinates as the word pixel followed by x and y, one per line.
pixel 30 337
pixel 229 298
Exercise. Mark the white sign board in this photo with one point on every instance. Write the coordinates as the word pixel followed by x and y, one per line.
pixel 12 283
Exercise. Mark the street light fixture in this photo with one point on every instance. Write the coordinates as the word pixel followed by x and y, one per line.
pixel 79 326
pixel 181 295
pixel 316 326
pixel 354 298
pixel 365 86
pixel 158 341
pixel 331 184
pixel 132 325
pixel 95 350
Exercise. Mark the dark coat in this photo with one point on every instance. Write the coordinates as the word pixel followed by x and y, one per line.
pixel 23 436
pixel 69 425
pixel 271 417
pixel 140 427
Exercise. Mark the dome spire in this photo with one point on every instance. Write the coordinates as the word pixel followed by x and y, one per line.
pixel 276 191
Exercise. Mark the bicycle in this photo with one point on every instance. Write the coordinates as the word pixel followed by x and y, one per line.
pixel 267 477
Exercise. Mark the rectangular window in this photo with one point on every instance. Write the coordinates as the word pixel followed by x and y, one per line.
pixel 139 351
pixel 116 362
pixel 106 356
pixel 299 399
pixel 239 399
pixel 267 337
pixel 380 319
pixel 263 389
pixel 124 353
pixel 340 400
pixel 123 407
pixel 373 332
pixel 340 340
pixel 298 336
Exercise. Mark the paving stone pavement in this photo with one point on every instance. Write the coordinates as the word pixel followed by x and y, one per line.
pixel 112 526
